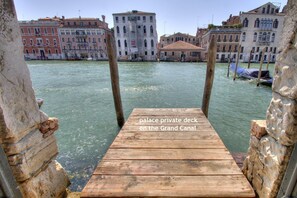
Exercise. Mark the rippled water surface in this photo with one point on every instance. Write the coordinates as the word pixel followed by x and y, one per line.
pixel 79 94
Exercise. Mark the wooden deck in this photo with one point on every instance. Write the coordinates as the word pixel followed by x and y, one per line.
pixel 167 153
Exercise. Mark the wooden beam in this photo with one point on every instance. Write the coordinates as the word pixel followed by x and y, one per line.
pixel 212 51
pixel 237 59
pixel 260 69
pixel 250 59
pixel 114 74
pixel 229 62
pixel 268 61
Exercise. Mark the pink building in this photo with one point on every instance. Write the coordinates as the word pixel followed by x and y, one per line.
pixel 40 38
pixel 83 38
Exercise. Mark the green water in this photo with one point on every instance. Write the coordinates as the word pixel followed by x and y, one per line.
pixel 79 94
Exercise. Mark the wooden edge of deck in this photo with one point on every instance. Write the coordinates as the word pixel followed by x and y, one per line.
pixel 167 186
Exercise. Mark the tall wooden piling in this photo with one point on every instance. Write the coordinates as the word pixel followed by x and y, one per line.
pixel 229 62
pixel 260 69
pixel 268 61
pixel 249 64
pixel 236 65
pixel 212 51
pixel 114 74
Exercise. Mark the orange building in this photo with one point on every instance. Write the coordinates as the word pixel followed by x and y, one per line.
pixel 40 39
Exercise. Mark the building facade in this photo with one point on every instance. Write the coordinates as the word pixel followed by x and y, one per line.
pixel 136 35
pixel 83 38
pixel 227 42
pixel 261 28
pixel 180 51
pixel 40 39
pixel 169 39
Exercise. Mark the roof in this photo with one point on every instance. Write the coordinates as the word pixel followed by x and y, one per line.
pixel 181 46
pixel 178 34
pixel 135 12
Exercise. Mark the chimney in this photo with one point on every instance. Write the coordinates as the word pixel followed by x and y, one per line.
pixel 63 17
pixel 103 18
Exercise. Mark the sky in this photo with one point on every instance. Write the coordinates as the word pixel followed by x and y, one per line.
pixel 172 15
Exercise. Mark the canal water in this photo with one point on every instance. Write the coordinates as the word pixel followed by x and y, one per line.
pixel 79 94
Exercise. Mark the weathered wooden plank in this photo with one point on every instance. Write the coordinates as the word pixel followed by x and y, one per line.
pixel 173 128
pixel 168 144
pixel 166 111
pixel 145 135
pixel 169 154
pixel 168 186
pixel 168 167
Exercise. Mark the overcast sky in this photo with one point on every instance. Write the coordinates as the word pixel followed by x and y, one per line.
pixel 172 15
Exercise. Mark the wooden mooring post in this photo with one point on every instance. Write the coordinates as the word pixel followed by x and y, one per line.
pixel 260 69
pixel 236 65
pixel 249 64
pixel 114 74
pixel 212 51
pixel 229 62
pixel 268 61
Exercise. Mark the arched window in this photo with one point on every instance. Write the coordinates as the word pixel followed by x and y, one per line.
pixel 126 45
pixel 152 43
pixel 275 23
pixel 273 37
pixel 219 38
pixel 151 29
pixel 144 29
pixel 255 37
pixel 268 9
pixel 264 36
pixel 119 43
pixel 230 38
pixel 245 22
pixel 243 36
pixel 257 23
pixel 124 29
pixel 145 43
pixel 118 29
pixel 263 10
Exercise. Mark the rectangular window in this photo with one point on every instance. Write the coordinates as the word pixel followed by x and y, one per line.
pixel 153 53
pixel 117 19
pixel 151 18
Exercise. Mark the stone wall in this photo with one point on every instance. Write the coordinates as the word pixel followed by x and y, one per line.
pixel 26 133
pixel 272 142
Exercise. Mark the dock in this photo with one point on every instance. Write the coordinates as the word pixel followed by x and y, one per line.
pixel 167 153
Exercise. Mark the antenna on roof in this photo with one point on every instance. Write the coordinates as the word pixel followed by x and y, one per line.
pixel 79 13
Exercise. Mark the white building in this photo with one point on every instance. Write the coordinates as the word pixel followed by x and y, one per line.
pixel 261 28
pixel 136 35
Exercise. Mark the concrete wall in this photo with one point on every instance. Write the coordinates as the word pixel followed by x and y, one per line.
pixel 26 133
pixel 269 152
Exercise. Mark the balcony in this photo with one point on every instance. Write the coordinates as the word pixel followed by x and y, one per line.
pixel 261 43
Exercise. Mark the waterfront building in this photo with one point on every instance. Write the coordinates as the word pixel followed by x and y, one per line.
pixel 136 35
pixel 40 39
pixel 261 28
pixel 169 39
pixel 83 38
pixel 181 51
pixel 227 38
